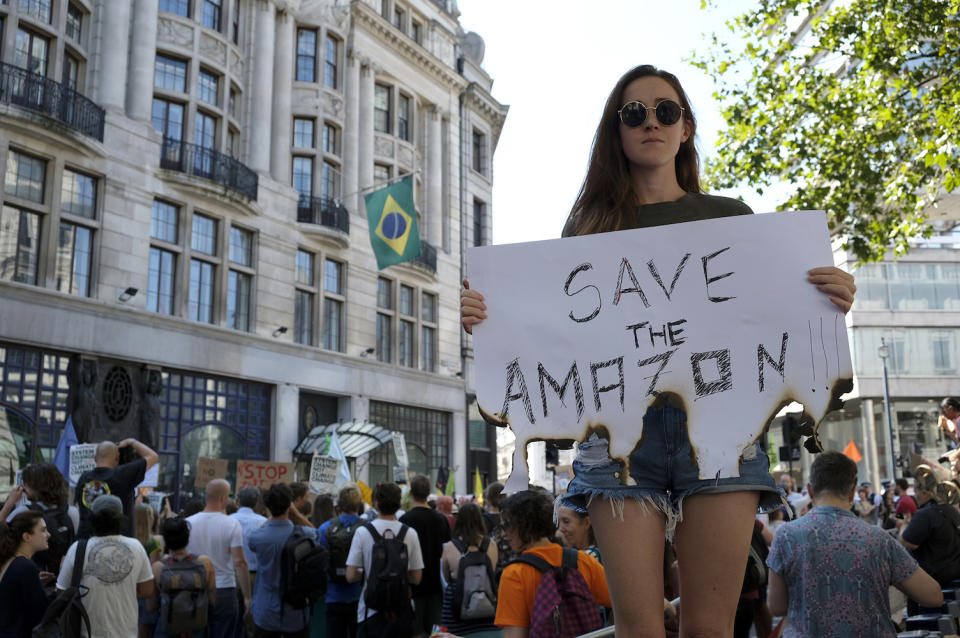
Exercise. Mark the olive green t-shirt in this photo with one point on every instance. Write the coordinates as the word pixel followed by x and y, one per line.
pixel 689 208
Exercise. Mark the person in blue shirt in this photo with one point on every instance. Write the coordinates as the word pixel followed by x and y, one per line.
pixel 272 617
pixel 342 597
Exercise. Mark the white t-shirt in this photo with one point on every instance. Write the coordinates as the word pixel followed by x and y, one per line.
pixel 361 551
pixel 214 534
pixel 112 568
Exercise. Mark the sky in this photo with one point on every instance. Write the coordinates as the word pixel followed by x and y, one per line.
pixel 554 63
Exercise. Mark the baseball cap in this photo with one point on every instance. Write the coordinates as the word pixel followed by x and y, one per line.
pixel 107 503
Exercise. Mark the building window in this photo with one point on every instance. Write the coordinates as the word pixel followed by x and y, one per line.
pixel 39 9
pixel 427 431
pixel 19 245
pixel 160 280
pixel 74 22
pixel 26 176
pixel 303 132
pixel 306 55
pixel 164 221
pixel 200 298
pixel 203 237
pixel 74 252
pixel 331 139
pixel 240 279
pixel 211 14
pixel 381 174
pixel 233 142
pixel 303 175
pixel 479 152
pixel 170 74
pixel 208 88
pixel 333 302
pixel 385 314
pixel 232 102
pixel 236 22
pixel 479 212
pixel 403 118
pixel 398 17
pixel 205 136
pixel 178 7
pixel 167 119
pixel 405 345
pixel 381 108
pixel 428 333
pixel 304 299
pixel 31 52
pixel 330 62
pixel 416 32
pixel 78 194
pixel 330 184
pixel 71 72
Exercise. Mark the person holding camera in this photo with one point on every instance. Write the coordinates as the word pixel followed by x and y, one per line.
pixel 110 476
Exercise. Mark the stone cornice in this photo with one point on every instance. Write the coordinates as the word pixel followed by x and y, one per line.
pixel 365 18
pixel 479 100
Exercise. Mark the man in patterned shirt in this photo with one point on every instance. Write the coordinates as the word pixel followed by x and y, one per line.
pixel 830 572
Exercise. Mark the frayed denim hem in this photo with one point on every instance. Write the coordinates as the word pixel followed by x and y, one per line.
pixel 650 501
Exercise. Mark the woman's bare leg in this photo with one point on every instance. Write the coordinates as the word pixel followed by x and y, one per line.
pixel 713 542
pixel 632 551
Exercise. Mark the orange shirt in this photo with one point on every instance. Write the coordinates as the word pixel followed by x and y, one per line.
pixel 518 585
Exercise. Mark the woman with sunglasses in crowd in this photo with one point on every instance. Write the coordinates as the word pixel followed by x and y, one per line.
pixel 644 171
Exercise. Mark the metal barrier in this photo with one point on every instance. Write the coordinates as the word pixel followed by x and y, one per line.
pixel 53 99
pixel 200 161
pixel 428 255
pixel 323 211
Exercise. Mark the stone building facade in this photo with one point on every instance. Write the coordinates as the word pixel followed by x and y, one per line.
pixel 183 199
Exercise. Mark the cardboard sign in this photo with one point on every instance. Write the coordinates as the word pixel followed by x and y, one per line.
pixel 209 469
pixel 400 449
pixel 81 459
pixel 323 474
pixel 400 474
pixel 585 333
pixel 151 477
pixel 262 474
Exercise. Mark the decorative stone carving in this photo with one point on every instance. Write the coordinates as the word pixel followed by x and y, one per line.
pixel 405 155
pixel 236 64
pixel 213 49
pixel 173 32
pixel 333 104
pixel 383 146
pixel 151 386
pixel 82 396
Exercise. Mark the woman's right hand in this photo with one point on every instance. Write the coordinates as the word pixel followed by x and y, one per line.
pixel 472 308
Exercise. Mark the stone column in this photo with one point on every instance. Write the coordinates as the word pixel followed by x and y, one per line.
pixel 287 433
pixel 280 134
pixel 114 54
pixel 261 113
pixel 435 177
pixel 365 133
pixel 351 139
pixel 143 50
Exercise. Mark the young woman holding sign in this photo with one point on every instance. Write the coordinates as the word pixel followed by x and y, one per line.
pixel 644 171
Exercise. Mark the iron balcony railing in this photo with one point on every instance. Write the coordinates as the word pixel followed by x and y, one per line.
pixel 428 255
pixel 200 161
pixel 53 99
pixel 323 211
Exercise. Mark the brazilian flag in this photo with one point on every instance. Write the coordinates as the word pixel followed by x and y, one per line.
pixel 393 223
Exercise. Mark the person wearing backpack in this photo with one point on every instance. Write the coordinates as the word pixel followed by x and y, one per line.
pixel 546 578
pixel 22 599
pixel 285 557
pixel 385 555
pixel 185 584
pixel 114 572
pixel 337 535
pixel 432 531
pixel 110 476
pixel 47 492
pixel 470 599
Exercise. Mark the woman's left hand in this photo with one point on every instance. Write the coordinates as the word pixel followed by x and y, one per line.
pixel 835 283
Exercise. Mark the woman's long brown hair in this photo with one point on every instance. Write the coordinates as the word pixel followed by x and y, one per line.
pixel 606 199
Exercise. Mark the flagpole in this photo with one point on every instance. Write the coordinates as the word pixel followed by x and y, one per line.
pixel 378 185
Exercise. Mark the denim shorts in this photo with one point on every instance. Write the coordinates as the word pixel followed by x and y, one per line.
pixel 663 470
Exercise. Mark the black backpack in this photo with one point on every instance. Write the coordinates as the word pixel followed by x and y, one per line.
pixel 474 597
pixel 387 588
pixel 65 617
pixel 61 538
pixel 184 595
pixel 755 577
pixel 303 569
pixel 339 538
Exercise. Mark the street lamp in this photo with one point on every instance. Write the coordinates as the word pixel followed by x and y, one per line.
pixel 884 351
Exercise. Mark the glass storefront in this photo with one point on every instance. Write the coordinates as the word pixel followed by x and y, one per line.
pixel 908 286
pixel 425 431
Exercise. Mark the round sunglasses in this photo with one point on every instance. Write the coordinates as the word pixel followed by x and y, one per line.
pixel 634 114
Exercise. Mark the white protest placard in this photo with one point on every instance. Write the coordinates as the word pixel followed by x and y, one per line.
pixel 323 474
pixel 400 449
pixel 81 459
pixel 584 333
pixel 151 477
